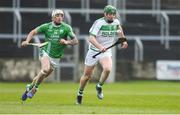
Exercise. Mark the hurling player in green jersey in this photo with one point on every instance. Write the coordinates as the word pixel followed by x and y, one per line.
pixel 57 34
pixel 103 33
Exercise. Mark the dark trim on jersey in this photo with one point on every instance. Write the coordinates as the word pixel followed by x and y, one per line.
pixel 92 34
pixel 94 49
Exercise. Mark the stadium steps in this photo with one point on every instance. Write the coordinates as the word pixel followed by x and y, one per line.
pixel 143 4
pixel 79 21
pixel 138 4
pixel 153 50
pixel 9 49
pixel 174 24
pixel 141 25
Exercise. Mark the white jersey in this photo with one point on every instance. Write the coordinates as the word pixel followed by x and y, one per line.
pixel 105 33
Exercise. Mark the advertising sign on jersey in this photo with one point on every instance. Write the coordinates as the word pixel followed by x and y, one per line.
pixel 168 70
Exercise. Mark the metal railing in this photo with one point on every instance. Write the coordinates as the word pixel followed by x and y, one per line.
pixel 165 29
pixel 36 49
pixel 18 30
pixel 138 50
pixel 163 13
pixel 85 5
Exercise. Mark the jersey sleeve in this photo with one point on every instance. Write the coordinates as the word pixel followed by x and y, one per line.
pixel 42 28
pixel 70 32
pixel 95 28
pixel 118 22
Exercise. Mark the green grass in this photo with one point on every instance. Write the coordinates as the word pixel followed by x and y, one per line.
pixel 140 97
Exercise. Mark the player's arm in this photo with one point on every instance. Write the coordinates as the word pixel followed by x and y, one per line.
pixel 29 37
pixel 122 37
pixel 93 33
pixel 73 41
pixel 40 29
pixel 92 40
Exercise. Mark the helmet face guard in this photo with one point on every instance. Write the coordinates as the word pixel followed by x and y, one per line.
pixel 110 9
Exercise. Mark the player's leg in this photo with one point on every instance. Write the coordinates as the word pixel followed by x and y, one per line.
pixel 83 81
pixel 46 69
pixel 106 63
pixel 46 75
pixel 88 70
pixel 32 88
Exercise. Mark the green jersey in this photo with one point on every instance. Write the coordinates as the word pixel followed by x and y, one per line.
pixel 53 34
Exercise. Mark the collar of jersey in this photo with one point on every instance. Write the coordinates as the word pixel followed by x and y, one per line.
pixel 56 25
pixel 105 19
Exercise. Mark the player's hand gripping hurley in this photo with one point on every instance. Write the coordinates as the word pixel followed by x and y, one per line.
pixel 119 41
pixel 38 44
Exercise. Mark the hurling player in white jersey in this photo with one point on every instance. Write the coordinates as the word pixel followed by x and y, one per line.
pixel 103 33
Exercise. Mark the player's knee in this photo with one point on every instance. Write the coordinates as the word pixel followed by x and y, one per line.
pixel 87 76
pixel 44 71
pixel 107 69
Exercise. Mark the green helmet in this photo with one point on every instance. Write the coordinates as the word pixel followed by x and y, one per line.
pixel 110 9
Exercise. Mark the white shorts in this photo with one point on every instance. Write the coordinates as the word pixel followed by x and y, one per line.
pixel 54 61
pixel 90 61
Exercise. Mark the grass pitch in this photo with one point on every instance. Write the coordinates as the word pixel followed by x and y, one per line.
pixel 139 97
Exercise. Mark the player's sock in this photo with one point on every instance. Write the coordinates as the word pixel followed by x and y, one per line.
pixel 99 91
pixel 100 84
pixel 31 86
pixel 80 92
pixel 34 89
pixel 36 85
pixel 79 97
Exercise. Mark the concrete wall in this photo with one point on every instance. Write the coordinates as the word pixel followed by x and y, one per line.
pixel 26 69
pixel 18 69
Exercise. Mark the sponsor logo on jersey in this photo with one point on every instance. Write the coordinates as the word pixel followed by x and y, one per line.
pixel 61 31
pixel 108 33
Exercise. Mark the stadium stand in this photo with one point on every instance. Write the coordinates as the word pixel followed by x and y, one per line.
pixel 146 26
